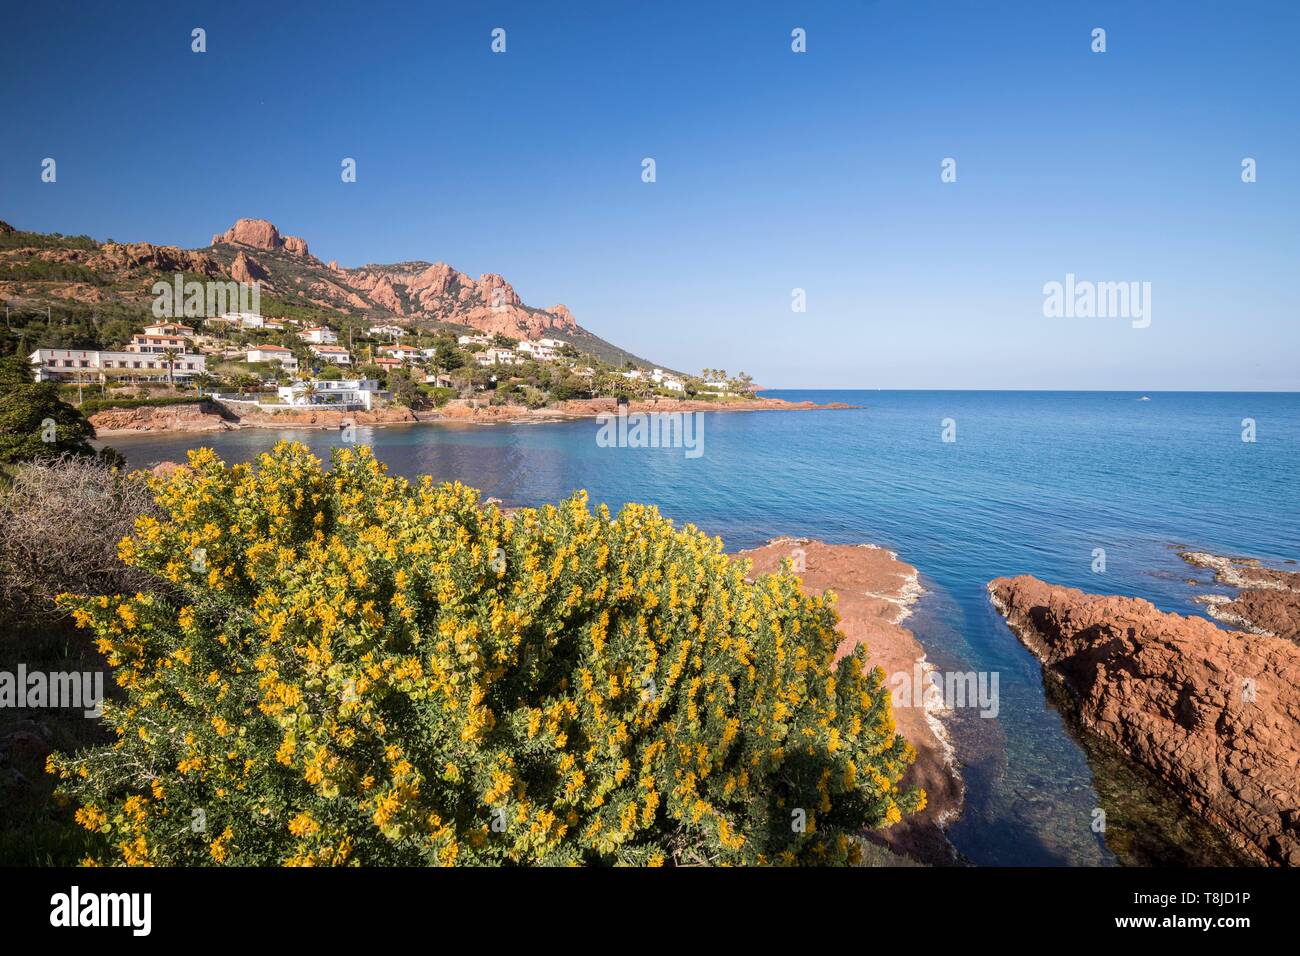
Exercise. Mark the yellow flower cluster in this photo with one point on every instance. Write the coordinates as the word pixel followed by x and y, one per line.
pixel 365 670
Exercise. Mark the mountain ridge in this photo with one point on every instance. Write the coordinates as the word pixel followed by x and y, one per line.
pixel 38 268
pixel 412 289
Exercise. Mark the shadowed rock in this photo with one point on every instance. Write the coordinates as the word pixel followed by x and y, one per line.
pixel 1214 713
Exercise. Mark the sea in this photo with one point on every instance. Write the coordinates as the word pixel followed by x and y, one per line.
pixel 1094 490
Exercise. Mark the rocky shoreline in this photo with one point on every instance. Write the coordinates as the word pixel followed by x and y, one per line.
pixel 875 592
pixel 1214 713
pixel 1267 600
pixel 212 416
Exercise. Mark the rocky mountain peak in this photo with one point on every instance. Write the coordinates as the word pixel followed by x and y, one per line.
pixel 261 234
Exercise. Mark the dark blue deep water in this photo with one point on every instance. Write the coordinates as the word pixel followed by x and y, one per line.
pixel 1034 482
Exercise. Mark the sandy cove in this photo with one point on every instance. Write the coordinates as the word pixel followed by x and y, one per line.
pixel 209 416
pixel 875 593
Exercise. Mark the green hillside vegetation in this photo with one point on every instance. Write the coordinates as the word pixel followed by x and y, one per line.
pixel 40 240
pixel 39 314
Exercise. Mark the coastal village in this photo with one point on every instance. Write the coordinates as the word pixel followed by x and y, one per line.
pixel 248 359
pixel 100 319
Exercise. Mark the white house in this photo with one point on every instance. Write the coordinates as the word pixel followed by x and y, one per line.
pixel 319 335
pixel 246 320
pixel 667 380
pixel 274 353
pixel 387 330
pixel 52 365
pixel 543 350
pixel 404 353
pixel 496 357
pixel 343 392
pixel 474 340
pixel 334 354
pixel 154 344
pixel 174 329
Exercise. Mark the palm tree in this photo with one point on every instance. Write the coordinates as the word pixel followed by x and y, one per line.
pixel 203 380
pixel 308 385
pixel 170 356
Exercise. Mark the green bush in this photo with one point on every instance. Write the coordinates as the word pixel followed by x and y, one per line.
pixel 38 240
pixel 360 670
pixel 35 424
pixel 438 395
pixel 41 270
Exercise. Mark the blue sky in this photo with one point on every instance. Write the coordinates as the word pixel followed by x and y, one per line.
pixel 775 170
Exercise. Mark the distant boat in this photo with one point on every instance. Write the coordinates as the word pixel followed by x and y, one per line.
pixel 1144 398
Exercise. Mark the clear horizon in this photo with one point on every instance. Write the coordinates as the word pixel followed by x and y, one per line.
pixel 775 171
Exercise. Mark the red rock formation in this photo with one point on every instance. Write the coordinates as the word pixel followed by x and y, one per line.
pixel 563 317
pixel 326 418
pixel 136 255
pixel 198 417
pixel 260 234
pixel 246 269
pixel 1268 601
pixel 497 292
pixel 383 294
pixel 417 290
pixel 1214 713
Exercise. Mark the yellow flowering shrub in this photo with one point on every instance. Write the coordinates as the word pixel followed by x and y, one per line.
pixel 350 668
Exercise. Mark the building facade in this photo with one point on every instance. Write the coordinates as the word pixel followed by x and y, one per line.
pixel 54 365
pixel 319 335
pixel 331 353
pixel 345 392
pixel 274 353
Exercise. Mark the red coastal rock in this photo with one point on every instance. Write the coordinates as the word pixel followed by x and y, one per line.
pixel 875 591
pixel 1268 601
pixel 1214 713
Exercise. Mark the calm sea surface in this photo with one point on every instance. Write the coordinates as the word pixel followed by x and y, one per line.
pixel 1034 483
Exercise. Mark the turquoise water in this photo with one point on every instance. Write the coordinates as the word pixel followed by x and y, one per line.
pixel 1034 482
